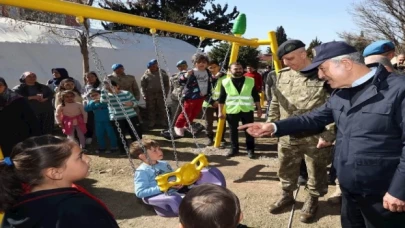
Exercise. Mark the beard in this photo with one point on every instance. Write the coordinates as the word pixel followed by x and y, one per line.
pixel 237 74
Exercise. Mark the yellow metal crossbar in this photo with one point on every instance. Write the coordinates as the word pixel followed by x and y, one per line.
pixel 84 11
pixel 79 10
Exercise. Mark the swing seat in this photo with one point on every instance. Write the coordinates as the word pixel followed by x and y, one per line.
pixel 168 205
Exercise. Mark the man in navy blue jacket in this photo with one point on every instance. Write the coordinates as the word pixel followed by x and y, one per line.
pixel 368 107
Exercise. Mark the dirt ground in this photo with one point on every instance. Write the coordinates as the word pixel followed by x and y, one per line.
pixel 254 181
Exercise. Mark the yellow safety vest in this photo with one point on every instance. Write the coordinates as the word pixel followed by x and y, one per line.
pixel 215 92
pixel 235 102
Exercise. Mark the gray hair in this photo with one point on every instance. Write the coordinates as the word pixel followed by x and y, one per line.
pixel 379 59
pixel 356 57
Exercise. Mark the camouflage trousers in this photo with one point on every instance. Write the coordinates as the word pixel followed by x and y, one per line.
pixel 317 160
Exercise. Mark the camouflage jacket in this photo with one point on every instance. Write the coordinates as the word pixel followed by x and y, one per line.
pixel 127 82
pixel 294 94
pixel 176 89
pixel 150 83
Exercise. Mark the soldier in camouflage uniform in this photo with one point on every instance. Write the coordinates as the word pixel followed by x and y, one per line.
pixel 176 90
pixel 126 82
pixel 152 93
pixel 293 94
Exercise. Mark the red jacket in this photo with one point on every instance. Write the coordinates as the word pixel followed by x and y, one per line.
pixel 258 80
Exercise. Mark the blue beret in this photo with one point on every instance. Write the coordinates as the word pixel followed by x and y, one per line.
pixel 181 62
pixel 151 63
pixel 116 66
pixel 378 47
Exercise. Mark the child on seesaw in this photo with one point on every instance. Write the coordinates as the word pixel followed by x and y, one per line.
pixel 36 186
pixel 210 205
pixel 145 174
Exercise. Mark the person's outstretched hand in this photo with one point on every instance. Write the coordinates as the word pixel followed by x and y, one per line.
pixel 258 130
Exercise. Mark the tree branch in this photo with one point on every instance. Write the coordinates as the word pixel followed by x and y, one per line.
pixel 99 33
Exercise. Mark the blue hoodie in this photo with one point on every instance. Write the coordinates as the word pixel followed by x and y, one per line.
pixel 145 183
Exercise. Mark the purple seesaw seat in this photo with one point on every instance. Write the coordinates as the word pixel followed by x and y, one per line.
pixel 168 205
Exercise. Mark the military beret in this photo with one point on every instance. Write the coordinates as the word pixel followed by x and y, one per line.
pixel 116 66
pixel 151 63
pixel 289 46
pixel 181 62
pixel 378 47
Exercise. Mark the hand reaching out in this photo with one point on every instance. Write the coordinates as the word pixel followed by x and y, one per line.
pixel 258 130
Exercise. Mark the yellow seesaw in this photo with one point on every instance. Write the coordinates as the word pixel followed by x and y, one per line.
pixel 185 175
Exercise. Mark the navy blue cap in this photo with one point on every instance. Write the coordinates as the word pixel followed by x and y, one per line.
pixel 181 62
pixel 327 51
pixel 116 66
pixel 151 63
pixel 378 47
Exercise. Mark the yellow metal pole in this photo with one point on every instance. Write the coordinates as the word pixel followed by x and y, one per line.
pixel 261 94
pixel 221 122
pixel 79 10
pixel 274 49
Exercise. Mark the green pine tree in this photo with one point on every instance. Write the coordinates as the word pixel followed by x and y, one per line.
pixel 315 42
pixel 247 55
pixel 192 13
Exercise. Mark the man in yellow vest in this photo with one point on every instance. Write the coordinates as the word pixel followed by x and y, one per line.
pixel 239 95
pixel 217 77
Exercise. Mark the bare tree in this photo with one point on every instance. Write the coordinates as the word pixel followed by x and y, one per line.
pixel 381 19
pixel 79 33
pixel 359 41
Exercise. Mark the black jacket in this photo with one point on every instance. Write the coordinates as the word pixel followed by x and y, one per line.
pixel 192 90
pixel 65 207
pixel 17 123
pixel 370 152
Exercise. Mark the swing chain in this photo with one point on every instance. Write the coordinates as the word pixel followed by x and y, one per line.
pixel 212 88
pixel 102 71
pixel 157 44
pixel 154 37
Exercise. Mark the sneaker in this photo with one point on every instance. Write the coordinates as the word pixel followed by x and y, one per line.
pixel 88 141
pixel 194 131
pixel 251 154
pixel 179 131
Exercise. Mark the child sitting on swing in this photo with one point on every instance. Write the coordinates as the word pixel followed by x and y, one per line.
pixel 145 174
pixel 210 205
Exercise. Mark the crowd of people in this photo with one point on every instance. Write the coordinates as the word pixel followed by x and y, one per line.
pixel 333 107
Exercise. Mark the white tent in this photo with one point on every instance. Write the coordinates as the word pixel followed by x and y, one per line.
pixel 32 48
